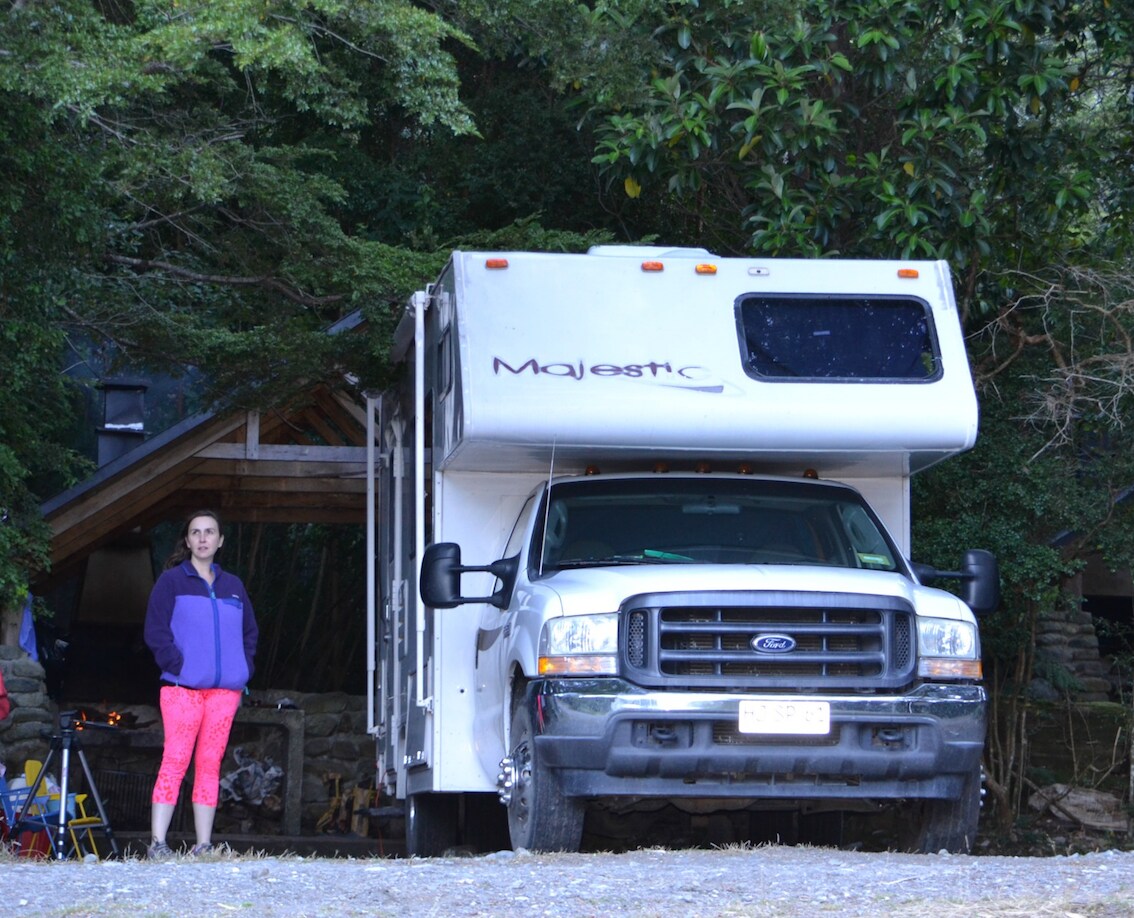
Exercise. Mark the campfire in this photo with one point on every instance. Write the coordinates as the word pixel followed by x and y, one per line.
pixel 93 717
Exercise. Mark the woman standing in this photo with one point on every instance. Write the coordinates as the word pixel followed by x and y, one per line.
pixel 202 631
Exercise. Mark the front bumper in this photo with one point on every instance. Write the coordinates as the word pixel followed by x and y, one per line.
pixel 607 737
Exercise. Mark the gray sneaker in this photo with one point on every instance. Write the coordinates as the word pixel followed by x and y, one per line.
pixel 159 851
pixel 198 850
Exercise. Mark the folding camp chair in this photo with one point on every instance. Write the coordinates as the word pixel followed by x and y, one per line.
pixel 71 821
pixel 28 820
pixel 78 824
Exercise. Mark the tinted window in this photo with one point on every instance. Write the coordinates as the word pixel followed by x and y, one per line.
pixel 672 520
pixel 828 337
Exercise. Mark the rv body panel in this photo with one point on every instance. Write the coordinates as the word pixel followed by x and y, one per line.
pixel 552 388
pixel 591 357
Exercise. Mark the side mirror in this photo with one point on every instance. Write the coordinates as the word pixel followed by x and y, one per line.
pixel 441 576
pixel 981 575
pixel 441 571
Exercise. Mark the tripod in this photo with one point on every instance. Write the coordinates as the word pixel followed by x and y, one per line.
pixel 63 744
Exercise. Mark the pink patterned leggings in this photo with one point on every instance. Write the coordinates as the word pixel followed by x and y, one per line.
pixel 194 717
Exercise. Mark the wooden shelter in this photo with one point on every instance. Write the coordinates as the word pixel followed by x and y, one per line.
pixel 303 465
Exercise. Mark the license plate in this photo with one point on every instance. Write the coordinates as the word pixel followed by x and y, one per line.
pixel 798 718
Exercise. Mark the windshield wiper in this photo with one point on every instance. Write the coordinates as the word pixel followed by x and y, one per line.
pixel 647 556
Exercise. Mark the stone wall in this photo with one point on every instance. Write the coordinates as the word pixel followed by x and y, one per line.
pixel 335 742
pixel 1068 642
pixel 23 733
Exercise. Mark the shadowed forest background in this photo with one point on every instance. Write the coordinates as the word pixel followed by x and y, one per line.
pixel 193 192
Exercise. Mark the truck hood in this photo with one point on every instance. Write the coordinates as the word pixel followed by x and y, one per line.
pixel 603 589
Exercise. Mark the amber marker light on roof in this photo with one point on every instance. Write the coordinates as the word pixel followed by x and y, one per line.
pixel 661 468
pixel 652 266
pixel 911 273
pixel 702 468
pixel 706 269
pixel 810 473
pixel 496 264
pixel 591 470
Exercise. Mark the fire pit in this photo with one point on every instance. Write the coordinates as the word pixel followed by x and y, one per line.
pixel 129 757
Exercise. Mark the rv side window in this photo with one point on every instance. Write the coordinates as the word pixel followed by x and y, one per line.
pixel 855 338
pixel 870 548
pixel 516 539
pixel 445 363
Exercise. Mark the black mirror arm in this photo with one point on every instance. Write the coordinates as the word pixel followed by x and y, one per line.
pixel 929 572
pixel 505 569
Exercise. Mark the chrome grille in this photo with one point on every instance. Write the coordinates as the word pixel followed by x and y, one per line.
pixel 840 640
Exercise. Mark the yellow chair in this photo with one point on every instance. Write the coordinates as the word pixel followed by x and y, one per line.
pixel 29 836
pixel 79 825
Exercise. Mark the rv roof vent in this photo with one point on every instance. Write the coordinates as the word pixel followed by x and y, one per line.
pixel 649 251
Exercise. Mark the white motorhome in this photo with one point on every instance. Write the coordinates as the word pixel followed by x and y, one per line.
pixel 645 539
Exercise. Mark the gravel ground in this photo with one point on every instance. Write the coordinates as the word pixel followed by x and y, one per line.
pixel 772 880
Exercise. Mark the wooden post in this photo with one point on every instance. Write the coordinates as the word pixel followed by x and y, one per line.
pixel 10 619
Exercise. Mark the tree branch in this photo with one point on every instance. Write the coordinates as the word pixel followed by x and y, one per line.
pixel 230 280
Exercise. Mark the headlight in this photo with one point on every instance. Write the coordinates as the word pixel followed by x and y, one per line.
pixel 948 649
pixel 582 645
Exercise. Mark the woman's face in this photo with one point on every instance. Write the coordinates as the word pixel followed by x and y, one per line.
pixel 204 538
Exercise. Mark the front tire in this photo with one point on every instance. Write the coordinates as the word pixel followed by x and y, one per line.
pixel 949 825
pixel 540 818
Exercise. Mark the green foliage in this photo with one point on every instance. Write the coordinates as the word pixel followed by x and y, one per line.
pixel 1049 481
pixel 205 187
pixel 876 128
pixel 529 235
pixel 29 446
pixel 164 206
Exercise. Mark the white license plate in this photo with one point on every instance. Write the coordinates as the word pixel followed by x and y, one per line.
pixel 800 718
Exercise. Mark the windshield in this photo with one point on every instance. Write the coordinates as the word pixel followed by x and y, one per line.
pixel 666 520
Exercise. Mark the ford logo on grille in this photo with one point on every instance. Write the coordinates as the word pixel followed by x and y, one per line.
pixel 773 643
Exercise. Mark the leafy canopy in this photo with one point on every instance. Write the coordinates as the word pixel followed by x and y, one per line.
pixel 875 128
pixel 164 204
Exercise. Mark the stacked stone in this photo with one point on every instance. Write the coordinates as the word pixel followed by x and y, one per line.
pixel 335 742
pixel 1069 640
pixel 25 733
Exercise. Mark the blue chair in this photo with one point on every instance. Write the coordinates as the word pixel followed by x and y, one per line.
pixel 79 825
pixel 40 817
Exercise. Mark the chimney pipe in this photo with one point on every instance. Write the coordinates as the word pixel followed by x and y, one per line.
pixel 123 416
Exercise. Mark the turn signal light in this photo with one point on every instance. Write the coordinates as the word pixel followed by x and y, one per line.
pixel 908 272
pixel 652 266
pixel 578 665
pixel 945 668
pixel 706 269
pixel 495 264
